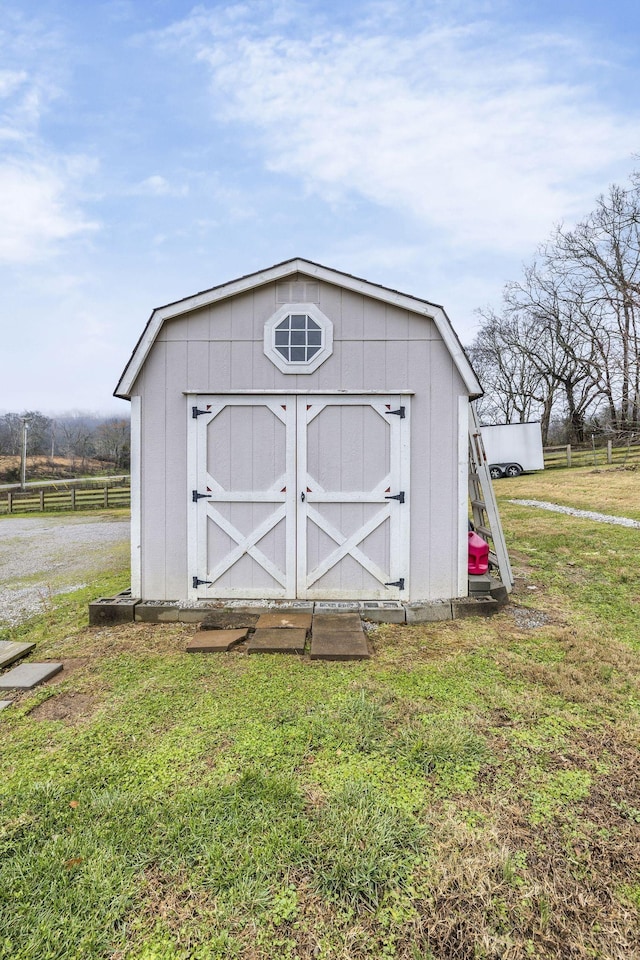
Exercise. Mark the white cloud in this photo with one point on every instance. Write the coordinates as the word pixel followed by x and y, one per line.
pixel 33 211
pixel 40 201
pixel 158 186
pixel 10 81
pixel 485 135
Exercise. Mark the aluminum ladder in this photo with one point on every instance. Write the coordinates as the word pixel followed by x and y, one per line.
pixel 484 508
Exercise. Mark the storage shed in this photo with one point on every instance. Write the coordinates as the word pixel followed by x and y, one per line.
pixel 299 433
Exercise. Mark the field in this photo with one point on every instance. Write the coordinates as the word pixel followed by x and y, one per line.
pixel 470 793
pixel 51 468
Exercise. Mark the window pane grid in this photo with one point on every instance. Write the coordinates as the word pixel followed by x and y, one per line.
pixel 298 338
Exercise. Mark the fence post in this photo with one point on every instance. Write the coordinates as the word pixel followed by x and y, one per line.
pixel 568 454
pixel 609 451
pixel 106 494
pixel 42 500
pixel 73 498
pixel 10 501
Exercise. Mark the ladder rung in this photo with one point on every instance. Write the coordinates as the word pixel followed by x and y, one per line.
pixel 483 502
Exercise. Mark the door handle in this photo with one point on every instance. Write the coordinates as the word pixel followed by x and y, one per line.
pixel 302 496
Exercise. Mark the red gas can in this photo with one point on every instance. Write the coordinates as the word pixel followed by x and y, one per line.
pixel 478 554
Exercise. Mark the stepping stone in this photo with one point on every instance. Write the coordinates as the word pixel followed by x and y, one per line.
pixel 228 620
pixel 5 703
pixel 11 650
pixel 28 675
pixel 338 636
pixel 216 641
pixel 278 619
pixel 277 640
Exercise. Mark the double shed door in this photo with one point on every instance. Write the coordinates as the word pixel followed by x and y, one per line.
pixel 300 496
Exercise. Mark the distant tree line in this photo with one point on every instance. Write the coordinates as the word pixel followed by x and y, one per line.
pixel 78 438
pixel 564 348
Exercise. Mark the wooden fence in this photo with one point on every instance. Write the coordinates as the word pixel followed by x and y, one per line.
pixel 597 454
pixel 55 495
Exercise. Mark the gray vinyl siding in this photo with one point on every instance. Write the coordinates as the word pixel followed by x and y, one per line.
pixel 376 347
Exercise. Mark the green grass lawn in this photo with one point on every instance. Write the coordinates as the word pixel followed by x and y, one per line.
pixel 470 792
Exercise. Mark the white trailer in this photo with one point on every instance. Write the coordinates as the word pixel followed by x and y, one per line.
pixel 512 448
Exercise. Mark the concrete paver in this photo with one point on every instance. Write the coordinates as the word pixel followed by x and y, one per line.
pixel 228 620
pixel 279 619
pixel 28 675
pixel 11 650
pixel 338 636
pixel 278 640
pixel 216 641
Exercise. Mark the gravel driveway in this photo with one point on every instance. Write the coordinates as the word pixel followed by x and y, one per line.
pixel 583 514
pixel 44 556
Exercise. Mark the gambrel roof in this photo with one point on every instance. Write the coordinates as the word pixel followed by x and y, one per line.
pixel 280 271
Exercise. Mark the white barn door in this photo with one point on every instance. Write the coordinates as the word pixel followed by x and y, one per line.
pixel 243 497
pixel 300 497
pixel 353 503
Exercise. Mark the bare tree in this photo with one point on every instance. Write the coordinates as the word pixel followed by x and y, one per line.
pixel 555 324
pixel 601 257
pixel 516 390
pixel 112 442
pixel 77 440
pixel 566 343
pixel 10 434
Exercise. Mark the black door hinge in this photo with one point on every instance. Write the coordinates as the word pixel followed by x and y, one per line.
pixel 195 413
pixel 396 413
pixel 396 583
pixel 195 496
pixel 396 496
pixel 199 583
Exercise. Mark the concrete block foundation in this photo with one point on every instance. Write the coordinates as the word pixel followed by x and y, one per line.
pixel 486 597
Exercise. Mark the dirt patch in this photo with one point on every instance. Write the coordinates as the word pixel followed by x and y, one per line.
pixel 71 707
pixel 69 666
pixel 521 893
pixel 519 888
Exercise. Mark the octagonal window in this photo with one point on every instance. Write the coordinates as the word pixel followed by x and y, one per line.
pixel 298 338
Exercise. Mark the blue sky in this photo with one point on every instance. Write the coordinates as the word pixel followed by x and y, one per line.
pixel 152 149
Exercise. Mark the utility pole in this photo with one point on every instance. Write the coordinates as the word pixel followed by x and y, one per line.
pixel 23 466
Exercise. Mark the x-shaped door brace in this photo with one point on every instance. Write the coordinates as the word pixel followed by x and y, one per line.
pixel 247 544
pixel 347 545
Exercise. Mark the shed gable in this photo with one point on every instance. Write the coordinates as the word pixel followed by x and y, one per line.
pixel 237 312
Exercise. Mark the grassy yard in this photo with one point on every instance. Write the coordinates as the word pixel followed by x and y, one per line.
pixel 471 792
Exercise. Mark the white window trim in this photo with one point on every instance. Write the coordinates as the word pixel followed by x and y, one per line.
pixel 298 366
